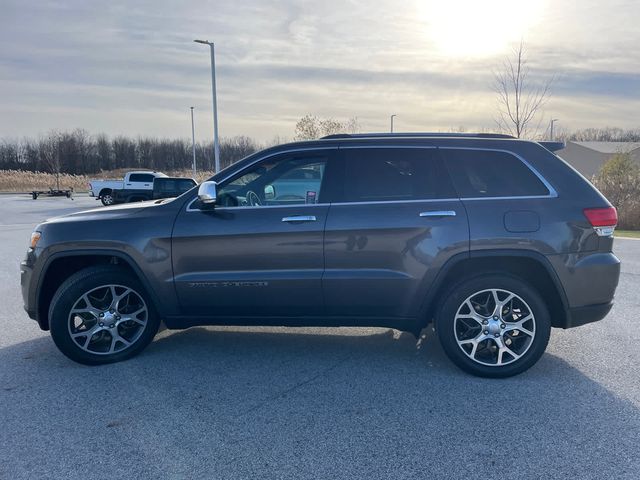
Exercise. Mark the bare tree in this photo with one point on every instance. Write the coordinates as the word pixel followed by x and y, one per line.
pixel 49 149
pixel 519 100
pixel 311 127
pixel 353 125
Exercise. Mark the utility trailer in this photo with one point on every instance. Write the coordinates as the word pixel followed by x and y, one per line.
pixel 53 192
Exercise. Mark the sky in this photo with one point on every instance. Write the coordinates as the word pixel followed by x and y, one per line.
pixel 131 67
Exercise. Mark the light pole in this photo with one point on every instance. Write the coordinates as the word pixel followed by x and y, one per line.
pixel 553 120
pixel 216 145
pixel 193 142
pixel 392 117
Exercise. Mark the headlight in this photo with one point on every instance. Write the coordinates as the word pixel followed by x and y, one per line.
pixel 35 238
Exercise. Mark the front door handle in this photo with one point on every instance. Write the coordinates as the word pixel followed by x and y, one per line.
pixel 438 213
pixel 299 218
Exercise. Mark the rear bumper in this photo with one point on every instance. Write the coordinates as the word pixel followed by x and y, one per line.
pixel 589 281
pixel 587 314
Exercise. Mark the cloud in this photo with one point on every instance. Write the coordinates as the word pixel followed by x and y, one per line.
pixel 131 67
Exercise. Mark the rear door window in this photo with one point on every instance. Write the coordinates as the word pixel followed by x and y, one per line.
pixel 394 174
pixel 488 173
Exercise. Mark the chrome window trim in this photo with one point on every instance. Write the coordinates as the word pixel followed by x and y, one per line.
pixel 552 191
pixel 255 207
pixel 521 197
pixel 336 204
pixel 378 202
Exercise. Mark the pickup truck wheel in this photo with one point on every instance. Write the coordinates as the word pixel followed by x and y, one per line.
pixel 107 199
pixel 494 326
pixel 102 315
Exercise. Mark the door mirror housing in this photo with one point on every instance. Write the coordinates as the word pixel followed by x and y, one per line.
pixel 208 193
pixel 269 192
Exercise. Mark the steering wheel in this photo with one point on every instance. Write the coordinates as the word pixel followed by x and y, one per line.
pixel 253 199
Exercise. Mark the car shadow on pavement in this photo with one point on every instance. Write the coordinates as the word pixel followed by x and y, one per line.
pixel 296 403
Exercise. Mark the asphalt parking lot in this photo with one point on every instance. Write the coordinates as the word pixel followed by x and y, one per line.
pixel 311 403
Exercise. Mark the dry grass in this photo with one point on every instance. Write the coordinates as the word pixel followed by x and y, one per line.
pixel 22 181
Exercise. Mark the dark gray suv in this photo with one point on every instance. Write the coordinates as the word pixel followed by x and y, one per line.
pixel 492 240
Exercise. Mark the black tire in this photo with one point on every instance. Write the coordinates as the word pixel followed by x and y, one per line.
pixel 93 279
pixel 107 198
pixel 530 349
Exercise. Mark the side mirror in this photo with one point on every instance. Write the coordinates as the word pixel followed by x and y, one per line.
pixel 207 192
pixel 269 192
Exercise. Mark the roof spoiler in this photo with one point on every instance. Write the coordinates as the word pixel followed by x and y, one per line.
pixel 553 146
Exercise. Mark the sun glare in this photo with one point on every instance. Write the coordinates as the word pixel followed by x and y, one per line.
pixel 478 28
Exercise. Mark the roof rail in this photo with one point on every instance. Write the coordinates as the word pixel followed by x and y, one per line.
pixel 415 134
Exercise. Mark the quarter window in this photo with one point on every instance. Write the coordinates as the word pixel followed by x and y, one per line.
pixel 394 174
pixel 480 173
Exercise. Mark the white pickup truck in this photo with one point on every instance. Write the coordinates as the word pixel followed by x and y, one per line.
pixel 103 189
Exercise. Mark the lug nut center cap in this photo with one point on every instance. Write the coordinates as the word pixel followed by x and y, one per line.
pixel 108 318
pixel 494 327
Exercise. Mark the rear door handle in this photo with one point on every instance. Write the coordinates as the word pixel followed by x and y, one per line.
pixel 438 213
pixel 299 218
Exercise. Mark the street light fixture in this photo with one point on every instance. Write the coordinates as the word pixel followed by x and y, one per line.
pixel 553 120
pixel 392 117
pixel 216 145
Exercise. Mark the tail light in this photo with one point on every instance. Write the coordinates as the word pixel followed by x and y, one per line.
pixel 603 220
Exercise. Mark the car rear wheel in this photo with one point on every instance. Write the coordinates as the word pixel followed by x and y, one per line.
pixel 102 315
pixel 107 199
pixel 494 326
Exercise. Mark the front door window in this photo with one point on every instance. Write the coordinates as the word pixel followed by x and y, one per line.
pixel 290 181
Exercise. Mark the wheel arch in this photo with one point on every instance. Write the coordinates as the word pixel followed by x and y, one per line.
pixel 530 266
pixel 62 265
pixel 105 191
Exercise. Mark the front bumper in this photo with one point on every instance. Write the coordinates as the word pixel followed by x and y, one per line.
pixel 26 271
pixel 590 313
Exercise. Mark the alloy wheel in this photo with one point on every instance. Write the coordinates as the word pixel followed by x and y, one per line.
pixel 108 319
pixel 494 327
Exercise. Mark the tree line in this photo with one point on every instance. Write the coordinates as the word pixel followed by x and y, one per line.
pixel 77 152
pixel 606 134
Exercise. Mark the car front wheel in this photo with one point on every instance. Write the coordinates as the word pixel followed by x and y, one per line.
pixel 494 326
pixel 102 315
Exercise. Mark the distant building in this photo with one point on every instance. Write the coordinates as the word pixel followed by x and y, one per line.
pixel 588 157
